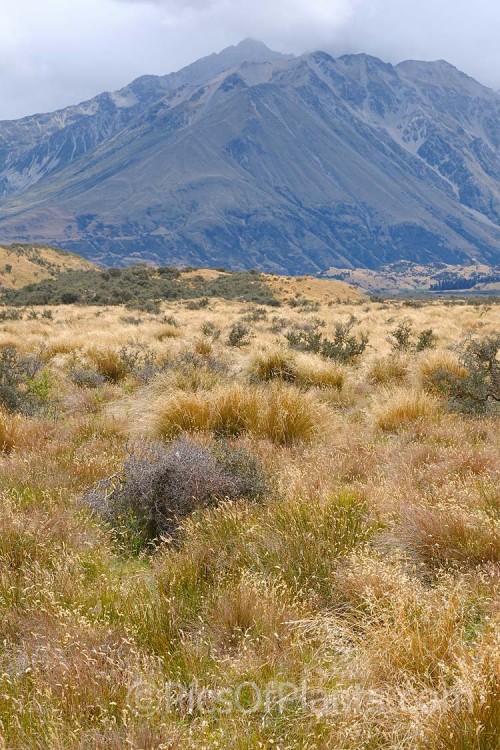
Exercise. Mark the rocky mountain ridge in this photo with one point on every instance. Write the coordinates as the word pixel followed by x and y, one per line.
pixel 252 159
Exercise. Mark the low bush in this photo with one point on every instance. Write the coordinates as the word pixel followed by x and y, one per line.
pixel 239 335
pixel 21 383
pixel 474 387
pixel 85 378
pixel 160 485
pixel 402 339
pixel 343 347
pixel 210 330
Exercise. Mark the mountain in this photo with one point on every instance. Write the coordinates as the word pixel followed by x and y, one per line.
pixel 254 159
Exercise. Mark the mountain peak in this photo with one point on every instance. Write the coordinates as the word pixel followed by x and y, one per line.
pixel 249 50
pixel 249 43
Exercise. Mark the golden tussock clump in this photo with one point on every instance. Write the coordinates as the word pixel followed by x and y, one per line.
pixel 307 372
pixel 388 369
pixel 9 431
pixel 401 408
pixel 167 331
pixel 108 363
pixel 282 414
pixel 447 535
pixel 274 365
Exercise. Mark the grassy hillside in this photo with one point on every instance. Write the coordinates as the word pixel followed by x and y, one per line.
pixel 140 285
pixel 240 527
pixel 25 264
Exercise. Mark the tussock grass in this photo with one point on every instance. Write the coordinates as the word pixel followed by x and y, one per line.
pixel 9 431
pixel 282 365
pixel 447 535
pixel 388 369
pixel 274 365
pixel 108 363
pixel 366 565
pixel 283 415
pixel 402 408
pixel 167 331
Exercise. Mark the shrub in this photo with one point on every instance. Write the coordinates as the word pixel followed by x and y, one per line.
pixel 477 387
pixel 437 365
pixel 402 339
pixel 256 315
pixel 10 313
pixel 198 304
pixel 250 480
pixel 210 330
pixel 86 378
pixel 114 365
pixel 344 347
pixel 160 485
pixel 18 385
pixel 239 335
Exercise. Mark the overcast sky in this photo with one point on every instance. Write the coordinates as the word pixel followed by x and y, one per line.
pixel 59 52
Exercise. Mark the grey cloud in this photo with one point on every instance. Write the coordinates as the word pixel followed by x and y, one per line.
pixel 57 52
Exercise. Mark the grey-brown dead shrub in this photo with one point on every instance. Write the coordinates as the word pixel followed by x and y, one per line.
pixel 160 485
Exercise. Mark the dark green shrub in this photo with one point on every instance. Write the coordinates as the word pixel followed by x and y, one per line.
pixel 426 340
pixel 211 331
pixel 343 347
pixel 20 390
pixel 477 391
pixel 239 335
pixel 84 378
pixel 402 339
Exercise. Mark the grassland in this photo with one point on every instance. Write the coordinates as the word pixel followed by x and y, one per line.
pixel 350 577
pixel 23 264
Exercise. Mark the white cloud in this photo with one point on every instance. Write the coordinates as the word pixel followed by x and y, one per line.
pixel 58 52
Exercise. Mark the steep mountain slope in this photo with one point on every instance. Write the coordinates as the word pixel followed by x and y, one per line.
pixel 288 164
pixel 34 147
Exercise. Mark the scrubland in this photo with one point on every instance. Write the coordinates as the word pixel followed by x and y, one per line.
pixel 305 546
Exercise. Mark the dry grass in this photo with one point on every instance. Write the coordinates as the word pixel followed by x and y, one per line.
pixel 369 572
pixel 401 408
pixel 282 414
pixel 388 369
pixel 108 363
